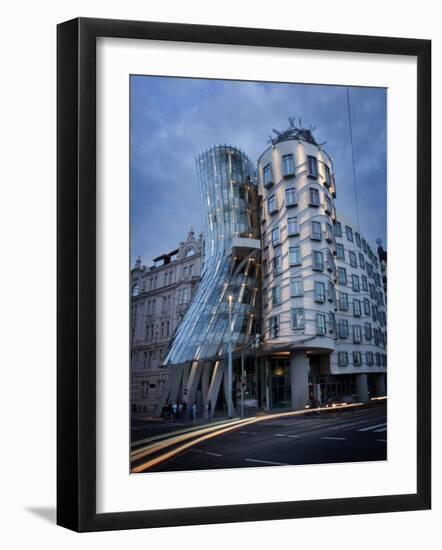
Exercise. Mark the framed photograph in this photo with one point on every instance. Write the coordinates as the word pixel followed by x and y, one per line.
pixel 243 274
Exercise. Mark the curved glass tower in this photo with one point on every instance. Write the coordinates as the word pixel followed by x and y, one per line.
pixel 229 278
pixel 231 260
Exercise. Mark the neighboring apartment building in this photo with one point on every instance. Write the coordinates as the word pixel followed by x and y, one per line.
pixel 160 295
pixel 311 289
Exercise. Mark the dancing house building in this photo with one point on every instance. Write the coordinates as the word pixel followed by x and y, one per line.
pixel 317 304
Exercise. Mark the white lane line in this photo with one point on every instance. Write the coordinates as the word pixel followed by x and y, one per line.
pixel 371 427
pixel 336 438
pixel 212 454
pixel 280 435
pixel 293 436
pixel 265 462
pixel 380 430
pixel 382 440
pixel 243 432
pixel 253 433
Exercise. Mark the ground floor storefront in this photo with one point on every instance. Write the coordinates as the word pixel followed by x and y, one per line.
pixel 281 381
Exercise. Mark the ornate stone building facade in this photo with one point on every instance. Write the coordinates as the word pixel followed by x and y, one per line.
pixel 160 295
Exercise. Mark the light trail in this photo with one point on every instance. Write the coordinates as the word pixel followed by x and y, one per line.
pixel 215 431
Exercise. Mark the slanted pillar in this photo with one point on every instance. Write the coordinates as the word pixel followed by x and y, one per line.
pixel 362 387
pixel 380 384
pixel 215 384
pixel 192 382
pixel 299 369
pixel 205 381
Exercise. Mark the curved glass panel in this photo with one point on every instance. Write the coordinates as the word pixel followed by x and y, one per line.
pixel 231 262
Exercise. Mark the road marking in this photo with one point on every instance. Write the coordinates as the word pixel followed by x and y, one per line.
pixel 279 435
pixel 381 430
pixel 382 440
pixel 293 436
pixel 371 427
pixel 337 438
pixel 253 433
pixel 243 432
pixel 212 454
pixel 265 462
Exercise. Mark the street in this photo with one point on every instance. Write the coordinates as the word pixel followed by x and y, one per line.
pixel 351 434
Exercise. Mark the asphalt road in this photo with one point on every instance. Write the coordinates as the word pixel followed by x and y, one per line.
pixel 352 435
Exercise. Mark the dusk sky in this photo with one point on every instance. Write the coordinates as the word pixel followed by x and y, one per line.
pixel 174 119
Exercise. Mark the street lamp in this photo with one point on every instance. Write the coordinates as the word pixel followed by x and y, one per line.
pixel 229 366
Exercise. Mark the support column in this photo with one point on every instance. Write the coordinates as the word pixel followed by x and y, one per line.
pixel 192 382
pixel 362 387
pixel 380 384
pixel 205 381
pixel 299 368
pixel 214 387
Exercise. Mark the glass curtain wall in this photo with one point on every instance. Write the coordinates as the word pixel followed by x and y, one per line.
pixel 229 200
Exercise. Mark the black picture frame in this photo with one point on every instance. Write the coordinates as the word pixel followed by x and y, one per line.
pixel 76 274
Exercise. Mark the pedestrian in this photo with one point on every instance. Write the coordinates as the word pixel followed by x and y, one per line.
pixel 209 410
pixel 174 411
pixel 180 410
pixel 194 412
pixel 185 412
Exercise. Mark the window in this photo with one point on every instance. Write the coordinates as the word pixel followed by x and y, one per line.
pixel 369 358
pixel 343 328
pixel 349 233
pixel 343 301
pixel 358 239
pixel 316 231
pixel 364 283
pixel 312 167
pixel 296 287
pixel 290 197
pixel 338 229
pixel 135 290
pixel 319 290
pixel 314 196
pixel 328 204
pixel 327 181
pixel 320 324
pixel 361 260
pixel 366 306
pixel 265 267
pixel 376 337
pixel 292 226
pixel 298 321
pixel 318 261
pixel 364 245
pixel 330 261
pixel 267 175
pixel 357 308
pixel 277 267
pixel 329 232
pixel 294 255
pixel 357 335
pixel 378 359
pixel 368 332
pixel 342 276
pixel 342 358
pixel 271 204
pixel 357 358
pixel 276 296
pixel 353 262
pixel 340 253
pixel 330 292
pixel 275 237
pixel 265 298
pixel 288 165
pixel 331 322
pixel 384 360
pixel 355 283
pixel 273 327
